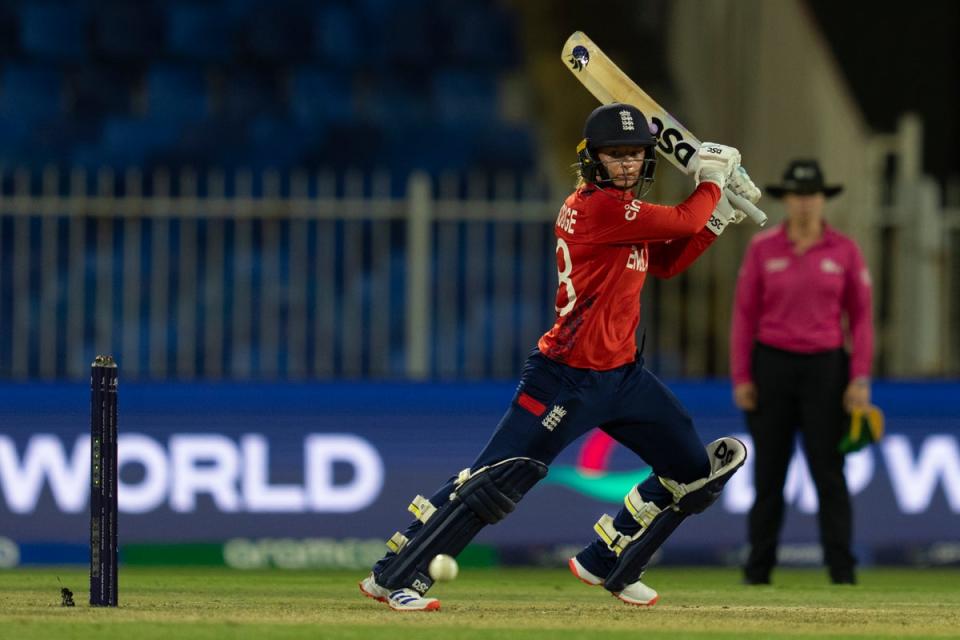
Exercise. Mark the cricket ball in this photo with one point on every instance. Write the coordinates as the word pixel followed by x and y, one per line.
pixel 443 568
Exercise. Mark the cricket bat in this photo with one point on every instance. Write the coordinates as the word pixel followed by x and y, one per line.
pixel 608 83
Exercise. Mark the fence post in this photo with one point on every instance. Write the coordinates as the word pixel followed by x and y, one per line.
pixel 419 250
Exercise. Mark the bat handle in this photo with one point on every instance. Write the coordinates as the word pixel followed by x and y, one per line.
pixel 752 211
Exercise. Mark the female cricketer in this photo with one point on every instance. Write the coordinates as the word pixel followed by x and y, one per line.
pixel 586 373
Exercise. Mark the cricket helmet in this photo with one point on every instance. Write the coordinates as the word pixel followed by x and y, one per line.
pixel 613 125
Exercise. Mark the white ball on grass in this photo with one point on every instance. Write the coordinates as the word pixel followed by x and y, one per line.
pixel 443 568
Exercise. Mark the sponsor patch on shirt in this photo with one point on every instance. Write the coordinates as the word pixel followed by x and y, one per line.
pixel 865 277
pixel 828 265
pixel 776 264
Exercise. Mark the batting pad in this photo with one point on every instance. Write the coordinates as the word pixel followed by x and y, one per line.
pixel 726 455
pixel 482 497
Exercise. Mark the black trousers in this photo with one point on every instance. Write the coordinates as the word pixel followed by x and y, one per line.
pixel 799 392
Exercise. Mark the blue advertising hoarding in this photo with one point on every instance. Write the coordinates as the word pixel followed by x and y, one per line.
pixel 215 462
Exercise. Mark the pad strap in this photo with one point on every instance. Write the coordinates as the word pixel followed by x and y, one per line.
pixel 396 542
pixel 726 456
pixel 642 511
pixel 615 540
pixel 422 509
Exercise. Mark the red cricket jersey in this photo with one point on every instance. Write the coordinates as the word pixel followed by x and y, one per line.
pixel 606 245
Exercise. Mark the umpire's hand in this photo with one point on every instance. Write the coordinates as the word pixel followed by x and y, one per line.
pixel 745 396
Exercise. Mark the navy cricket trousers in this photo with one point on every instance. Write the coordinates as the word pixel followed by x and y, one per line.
pixel 555 404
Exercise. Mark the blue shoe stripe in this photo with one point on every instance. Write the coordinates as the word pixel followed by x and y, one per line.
pixel 400 597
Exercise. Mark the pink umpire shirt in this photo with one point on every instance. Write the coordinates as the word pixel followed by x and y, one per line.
pixel 794 302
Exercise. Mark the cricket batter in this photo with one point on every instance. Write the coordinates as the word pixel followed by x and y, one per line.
pixel 586 372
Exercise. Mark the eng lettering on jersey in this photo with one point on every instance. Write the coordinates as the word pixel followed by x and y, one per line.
pixel 566 219
pixel 631 209
pixel 638 258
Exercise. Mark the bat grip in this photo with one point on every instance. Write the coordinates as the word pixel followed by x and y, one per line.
pixel 752 211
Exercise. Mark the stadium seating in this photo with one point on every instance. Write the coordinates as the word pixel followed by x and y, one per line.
pixel 278 83
pixel 336 37
pixel 54 31
pixel 127 32
pixel 200 32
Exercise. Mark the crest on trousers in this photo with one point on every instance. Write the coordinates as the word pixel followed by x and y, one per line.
pixel 554 417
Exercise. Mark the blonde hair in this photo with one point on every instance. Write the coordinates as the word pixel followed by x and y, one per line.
pixel 578 175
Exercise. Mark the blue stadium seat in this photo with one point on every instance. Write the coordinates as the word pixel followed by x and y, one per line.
pixel 350 146
pixel 412 38
pixel 479 36
pixel 275 143
pixel 237 11
pixel 336 37
pixel 177 93
pixel 9 32
pixel 199 32
pixel 506 147
pixel 55 31
pixel 89 156
pixel 279 34
pixel 372 10
pixel 246 94
pixel 14 140
pixel 432 148
pixel 199 144
pixel 129 141
pixel 465 97
pixel 101 89
pixel 389 102
pixel 30 94
pixel 54 141
pixel 320 96
pixel 128 31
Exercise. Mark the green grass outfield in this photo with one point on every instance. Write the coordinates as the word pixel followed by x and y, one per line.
pixel 174 604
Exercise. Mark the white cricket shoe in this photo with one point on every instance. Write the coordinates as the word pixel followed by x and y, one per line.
pixel 410 600
pixel 370 588
pixel 637 594
pixel 399 599
pixel 582 574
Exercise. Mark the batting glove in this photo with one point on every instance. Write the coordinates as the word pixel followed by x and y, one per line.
pixel 715 163
pixel 741 184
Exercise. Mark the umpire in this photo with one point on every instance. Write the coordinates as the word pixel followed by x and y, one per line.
pixel 791 372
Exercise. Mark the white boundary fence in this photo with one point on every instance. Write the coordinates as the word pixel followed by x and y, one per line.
pixel 299 276
pixel 316 276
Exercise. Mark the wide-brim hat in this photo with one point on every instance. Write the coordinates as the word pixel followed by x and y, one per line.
pixel 803 177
